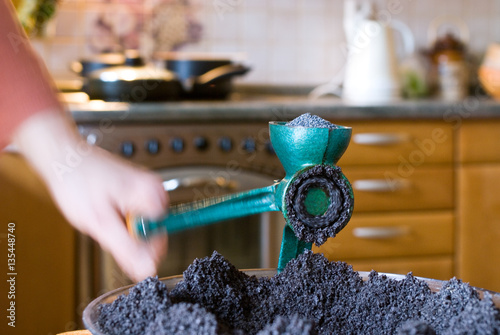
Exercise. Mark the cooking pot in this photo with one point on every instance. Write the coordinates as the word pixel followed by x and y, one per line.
pixel 203 76
pixel 85 66
pixel 133 84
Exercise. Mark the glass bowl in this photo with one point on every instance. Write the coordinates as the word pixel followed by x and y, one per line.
pixel 90 314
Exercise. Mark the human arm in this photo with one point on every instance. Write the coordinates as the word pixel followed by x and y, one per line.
pixel 25 85
pixel 95 191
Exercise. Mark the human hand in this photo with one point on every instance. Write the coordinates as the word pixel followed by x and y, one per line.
pixel 96 190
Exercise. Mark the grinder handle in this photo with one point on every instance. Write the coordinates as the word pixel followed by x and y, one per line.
pixel 200 213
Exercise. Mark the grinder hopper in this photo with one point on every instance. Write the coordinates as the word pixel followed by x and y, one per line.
pixel 314 196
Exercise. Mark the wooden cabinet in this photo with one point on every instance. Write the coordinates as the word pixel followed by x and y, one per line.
pixel 402 174
pixel 45 279
pixel 478 205
pixel 382 189
pixel 426 200
pixel 394 235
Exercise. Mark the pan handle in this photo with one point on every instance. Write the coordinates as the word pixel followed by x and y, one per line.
pixel 221 72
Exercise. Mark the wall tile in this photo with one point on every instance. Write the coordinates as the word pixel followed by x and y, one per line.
pixel 312 27
pixel 316 6
pixel 255 27
pixel 40 48
pixel 479 27
pixel 495 24
pixel 69 22
pixel 284 5
pixel 226 28
pixel 259 60
pixel 61 56
pixel 283 59
pixel 294 41
pixel 255 4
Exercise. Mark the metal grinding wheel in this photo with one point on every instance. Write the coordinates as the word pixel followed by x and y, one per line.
pixel 319 203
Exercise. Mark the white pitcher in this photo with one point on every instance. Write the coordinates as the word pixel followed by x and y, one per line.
pixel 372 70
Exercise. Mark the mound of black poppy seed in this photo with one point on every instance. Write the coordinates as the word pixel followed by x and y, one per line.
pixel 311 295
pixel 294 325
pixel 191 319
pixel 133 313
pixel 311 121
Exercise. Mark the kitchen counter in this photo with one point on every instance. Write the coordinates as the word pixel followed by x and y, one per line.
pixel 266 107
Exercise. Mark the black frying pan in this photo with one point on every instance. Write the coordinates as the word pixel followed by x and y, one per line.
pixel 85 66
pixel 123 77
pixel 202 77
pixel 133 84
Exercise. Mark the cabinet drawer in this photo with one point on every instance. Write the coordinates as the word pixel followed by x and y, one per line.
pixel 479 141
pixel 390 188
pixel 428 267
pixel 392 235
pixel 394 142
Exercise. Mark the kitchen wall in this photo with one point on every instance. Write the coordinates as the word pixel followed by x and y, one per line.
pixel 285 41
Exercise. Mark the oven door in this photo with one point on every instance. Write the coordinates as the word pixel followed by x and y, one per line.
pixel 247 242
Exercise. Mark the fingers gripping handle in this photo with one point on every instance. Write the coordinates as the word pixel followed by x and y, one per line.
pixel 207 211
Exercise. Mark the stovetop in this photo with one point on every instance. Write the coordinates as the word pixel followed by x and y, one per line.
pixel 269 103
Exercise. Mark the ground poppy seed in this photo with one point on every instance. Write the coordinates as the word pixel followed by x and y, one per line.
pixel 310 296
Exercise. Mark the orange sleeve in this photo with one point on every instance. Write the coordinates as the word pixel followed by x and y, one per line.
pixel 26 87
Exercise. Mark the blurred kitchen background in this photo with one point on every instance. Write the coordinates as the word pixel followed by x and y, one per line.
pixel 293 42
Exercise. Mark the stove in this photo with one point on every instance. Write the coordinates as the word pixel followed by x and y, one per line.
pixel 198 156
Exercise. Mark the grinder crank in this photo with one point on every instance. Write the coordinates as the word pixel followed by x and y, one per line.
pixel 315 197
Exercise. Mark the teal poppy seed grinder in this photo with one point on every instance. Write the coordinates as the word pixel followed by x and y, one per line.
pixel 315 197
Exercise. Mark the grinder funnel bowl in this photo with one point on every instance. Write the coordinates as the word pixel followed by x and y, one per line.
pixel 299 147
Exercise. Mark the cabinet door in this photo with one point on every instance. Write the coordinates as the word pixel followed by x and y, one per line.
pixel 479 141
pixel 401 143
pixel 385 188
pixel 371 236
pixel 44 290
pixel 479 225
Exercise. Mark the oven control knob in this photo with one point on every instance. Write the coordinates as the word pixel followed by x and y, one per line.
pixel 127 149
pixel 269 148
pixel 92 139
pixel 177 144
pixel 225 144
pixel 248 145
pixel 200 143
pixel 153 147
